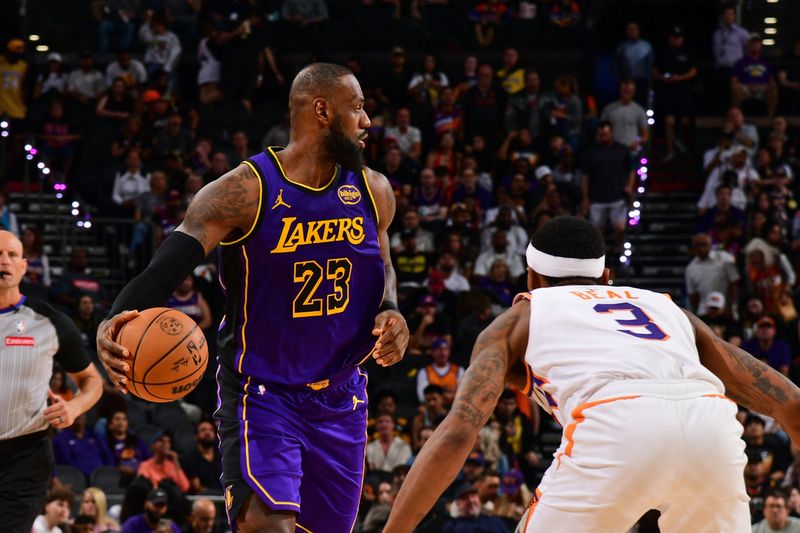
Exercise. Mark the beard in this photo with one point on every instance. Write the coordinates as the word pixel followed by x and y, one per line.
pixel 152 516
pixel 342 149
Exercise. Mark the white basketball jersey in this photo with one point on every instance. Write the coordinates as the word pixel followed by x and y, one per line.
pixel 584 337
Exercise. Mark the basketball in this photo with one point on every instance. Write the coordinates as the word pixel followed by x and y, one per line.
pixel 169 354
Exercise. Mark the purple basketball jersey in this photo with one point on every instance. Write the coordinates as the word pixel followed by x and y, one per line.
pixel 303 286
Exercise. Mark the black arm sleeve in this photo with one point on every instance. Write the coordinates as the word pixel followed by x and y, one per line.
pixel 175 259
pixel 71 355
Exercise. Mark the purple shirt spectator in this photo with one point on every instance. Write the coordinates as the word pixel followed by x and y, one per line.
pixel 138 524
pixel 751 71
pixel 777 353
pixel 85 452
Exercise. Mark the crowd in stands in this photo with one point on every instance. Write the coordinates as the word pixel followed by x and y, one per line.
pixel 479 154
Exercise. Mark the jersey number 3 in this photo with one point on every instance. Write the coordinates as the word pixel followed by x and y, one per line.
pixel 310 273
pixel 640 320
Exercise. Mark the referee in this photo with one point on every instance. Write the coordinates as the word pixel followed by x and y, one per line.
pixel 34 335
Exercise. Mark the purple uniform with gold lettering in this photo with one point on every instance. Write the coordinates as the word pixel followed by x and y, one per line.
pixel 303 287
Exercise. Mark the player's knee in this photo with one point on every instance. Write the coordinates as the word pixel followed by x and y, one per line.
pixel 256 517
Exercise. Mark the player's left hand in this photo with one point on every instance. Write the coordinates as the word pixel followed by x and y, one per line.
pixel 392 332
pixel 60 413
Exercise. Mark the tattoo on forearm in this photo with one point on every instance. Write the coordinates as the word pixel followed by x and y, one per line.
pixel 756 385
pixel 484 381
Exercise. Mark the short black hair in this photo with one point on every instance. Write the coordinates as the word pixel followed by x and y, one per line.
pixel 777 493
pixel 572 237
pixel 433 388
pixel 754 419
pixel 317 79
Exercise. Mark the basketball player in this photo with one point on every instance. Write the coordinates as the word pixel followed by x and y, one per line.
pixel 638 385
pixel 305 265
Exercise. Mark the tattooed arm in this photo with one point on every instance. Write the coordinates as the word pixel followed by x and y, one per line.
pixel 225 208
pixel 749 381
pixel 496 349
pixel 390 326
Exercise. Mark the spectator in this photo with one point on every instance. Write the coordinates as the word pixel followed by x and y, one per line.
pixel 489 18
pixel 627 118
pixel 8 220
pixel 78 447
pixel 116 18
pixel 756 484
pixel 85 84
pixel 517 237
pixel 164 464
pixel 77 280
pixel 518 439
pixel 190 302
pixel 514 495
pixel 765 346
pixel 483 105
pixel 95 506
pixel 769 274
pixel 789 80
pixel 203 517
pixel 753 78
pixel 712 221
pixel 155 509
pixel 744 134
pixel 432 413
pixel 675 72
pixel 729 39
pixel 441 371
pixel 240 147
pixel 738 174
pixel 209 73
pixel 469 190
pixel 38 272
pixel 203 464
pixel 423 238
pixel 117 104
pixel 488 486
pixel 709 271
pixel 408 138
pixel 130 70
pixel 715 157
pixel 175 139
pixel 13 70
pixel 776 516
pixel 719 317
pixel 87 318
pixel 428 83
pixel 499 250
pixel 163 47
pixel 56 512
pixel 794 502
pixel 59 384
pixel 52 82
pixel 608 182
pixel 127 450
pixel 388 450
pixel 58 134
pixel 511 76
pixel 563 111
pixel 468 77
pixel 454 281
pixel 773 451
pixel 524 107
pixel 633 60
pixel 219 166
pixel 410 263
pixel 469 516
pixel 565 13
pixel 130 184
pixel 429 197
pixel 448 117
pixel 392 86
pixel 386 402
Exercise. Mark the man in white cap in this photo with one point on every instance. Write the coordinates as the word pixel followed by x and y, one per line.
pixel 639 386
pixel 718 318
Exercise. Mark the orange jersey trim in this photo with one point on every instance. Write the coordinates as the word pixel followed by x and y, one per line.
pixel 578 417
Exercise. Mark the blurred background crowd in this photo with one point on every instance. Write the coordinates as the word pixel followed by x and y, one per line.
pixel 671 126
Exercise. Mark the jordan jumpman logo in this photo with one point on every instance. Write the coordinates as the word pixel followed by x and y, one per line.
pixel 356 401
pixel 279 200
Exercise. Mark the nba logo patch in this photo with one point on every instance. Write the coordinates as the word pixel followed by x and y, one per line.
pixel 349 194
pixel 21 327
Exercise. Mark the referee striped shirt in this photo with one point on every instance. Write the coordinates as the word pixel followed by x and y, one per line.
pixel 33 336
